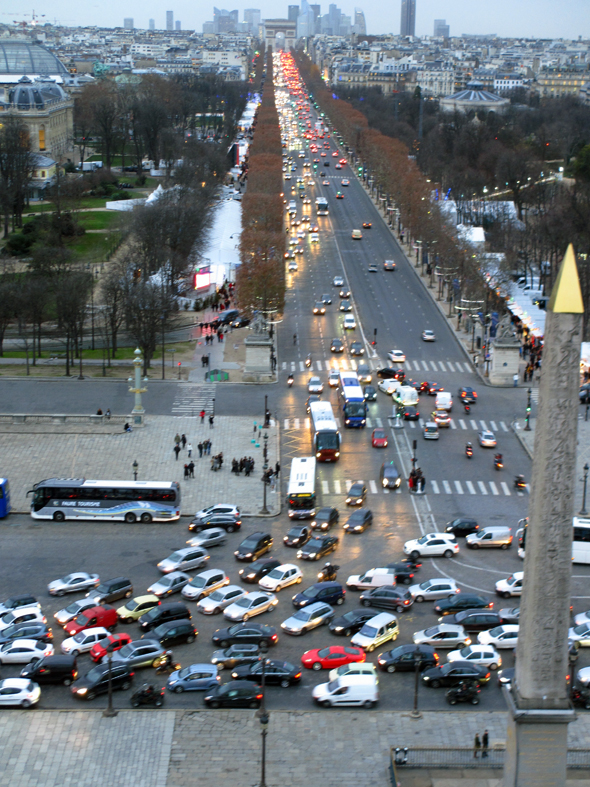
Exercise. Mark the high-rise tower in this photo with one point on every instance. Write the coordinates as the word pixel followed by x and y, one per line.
pixel 408 20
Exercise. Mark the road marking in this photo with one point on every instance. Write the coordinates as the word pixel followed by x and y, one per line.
pixel 450 365
pixel 417 366
pixel 373 487
pixel 296 423
pixel 369 423
pixel 412 424
pixel 347 484
pixel 482 487
pixel 473 425
pixel 307 423
pixel 470 487
pixel 493 425
pixel 337 490
pixel 435 488
pixel 286 425
pixel 443 368
pixel 483 426
pixel 433 366
pixel 378 422
pixel 293 366
pixel 325 487
pixel 447 487
pixel 504 427
pixel 494 488
pixel 301 366
pixel 425 366
pixel 421 422
pixel 453 424
pixel 459 488
pixel 284 365
pixel 504 486
pixel 462 424
pixel 353 365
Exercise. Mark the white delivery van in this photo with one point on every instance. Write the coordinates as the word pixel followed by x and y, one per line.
pixel 407 396
pixel 382 628
pixel 357 690
pixel 444 401
pixel 354 668
pixel 373 578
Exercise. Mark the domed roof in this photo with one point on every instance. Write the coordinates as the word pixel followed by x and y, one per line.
pixel 35 95
pixel 19 57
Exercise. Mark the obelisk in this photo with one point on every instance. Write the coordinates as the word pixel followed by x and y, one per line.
pixel 538 702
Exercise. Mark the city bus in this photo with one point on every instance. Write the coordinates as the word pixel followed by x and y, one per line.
pixel 324 432
pixel 321 206
pixel 301 494
pixel 580 539
pixel 353 400
pixel 109 501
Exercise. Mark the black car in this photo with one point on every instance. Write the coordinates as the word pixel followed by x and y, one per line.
pixel 454 672
pixel 344 293
pixel 331 593
pixel 434 388
pixel 370 393
pixel 297 536
pixel 174 632
pixel 52 669
pixel 448 606
pixel 246 632
pixel 318 547
pixel 227 522
pixel 510 615
pixel 404 573
pixel 357 348
pixel 325 518
pixel 96 681
pixel 359 521
pixel 404 657
pixel 163 613
pixel 409 412
pixel 337 346
pixel 235 694
pixel 476 619
pixel 228 316
pixel 462 526
pixel 351 622
pixel 310 400
pixel 356 494
pixel 30 629
pixel 239 653
pixel 240 322
pixel 276 673
pixel 387 598
pixel 388 373
pixel 258 569
pixel 411 563
pixel 254 546
pixel 467 395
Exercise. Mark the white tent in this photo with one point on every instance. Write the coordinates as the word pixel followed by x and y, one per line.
pixel 221 248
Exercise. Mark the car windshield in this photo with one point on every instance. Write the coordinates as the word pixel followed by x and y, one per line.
pixel 423 540
pixel 350 616
pixel 197 582
pixel 8 618
pixel 309 592
pixel 465 652
pixel 249 543
pixel 425 585
pixel 276 573
pixel 131 606
pixel 66 579
pixel 368 631
pixel 581 629
pixel 80 636
pixel 165 581
pixel 82 620
pixel 244 602
pixel 127 651
pixel 303 614
pixel 6 646
pixel 175 557
pixel 217 595
pixel 431 631
pixel 95 673
pixel 185 672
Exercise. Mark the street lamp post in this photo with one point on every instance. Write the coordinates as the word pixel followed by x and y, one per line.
pixel 415 714
pixel 527 426
pixel 135 467
pixel 110 711
pixel 262 714
pixel 138 411
pixel 414 447
pixel 583 511
pixel 266 413
pixel 264 471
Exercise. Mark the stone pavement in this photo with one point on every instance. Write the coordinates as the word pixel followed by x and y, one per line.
pixel 159 748
pixel 30 457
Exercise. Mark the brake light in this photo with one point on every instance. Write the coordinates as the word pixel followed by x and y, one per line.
pixel 297 676
pixel 131 674
pixel 411 576
pixel 259 696
pixel 491 604
pixel 274 637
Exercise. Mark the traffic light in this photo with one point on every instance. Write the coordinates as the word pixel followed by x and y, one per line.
pixel 360 170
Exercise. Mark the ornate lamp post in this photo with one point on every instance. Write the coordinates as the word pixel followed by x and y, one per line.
pixel 264 470
pixel 264 718
pixel 415 714
pixel 135 467
pixel 110 711
pixel 583 511
pixel 138 413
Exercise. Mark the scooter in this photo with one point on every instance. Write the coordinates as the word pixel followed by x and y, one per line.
pixel 468 692
pixel 581 697
pixel 498 463
pixel 290 380
pixel 308 361
pixel 469 450
pixel 167 666
pixel 467 408
pixel 147 695
pixel 328 573
pixel 519 482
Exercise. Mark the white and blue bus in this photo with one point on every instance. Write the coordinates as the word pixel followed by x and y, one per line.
pixel 325 435
pixel 321 206
pixel 352 397
pixel 109 501
pixel 301 494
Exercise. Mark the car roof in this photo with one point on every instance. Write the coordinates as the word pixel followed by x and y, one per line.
pixel 357 680
pixel 204 667
pixel 382 617
pixel 28 642
pixel 15 683
pixel 316 605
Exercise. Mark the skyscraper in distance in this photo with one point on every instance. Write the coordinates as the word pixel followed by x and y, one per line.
pixel 177 25
pixel 169 20
pixel 252 16
pixel 128 23
pixel 441 29
pixel 152 24
pixel 360 26
pixel 408 19
pixel 293 13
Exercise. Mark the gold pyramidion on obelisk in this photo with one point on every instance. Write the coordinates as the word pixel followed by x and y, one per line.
pixel 566 297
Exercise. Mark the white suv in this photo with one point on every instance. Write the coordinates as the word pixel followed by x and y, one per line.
pixel 349 322
pixel 432 545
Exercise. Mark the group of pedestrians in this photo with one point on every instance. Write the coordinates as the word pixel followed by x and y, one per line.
pixel 203 414
pixel 217 462
pixel 416 481
pixel 181 443
pixel 245 465
pixel 481 745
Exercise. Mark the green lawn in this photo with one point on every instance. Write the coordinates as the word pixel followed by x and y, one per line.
pixel 92 247
pixel 99 221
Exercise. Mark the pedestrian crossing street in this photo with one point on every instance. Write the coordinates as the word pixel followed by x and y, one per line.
pixel 191 398
pixel 461 423
pixel 346 364
pixel 444 487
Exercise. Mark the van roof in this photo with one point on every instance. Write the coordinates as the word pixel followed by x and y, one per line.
pixel 357 680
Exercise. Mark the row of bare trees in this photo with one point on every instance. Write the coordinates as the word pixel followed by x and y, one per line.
pixel 16 171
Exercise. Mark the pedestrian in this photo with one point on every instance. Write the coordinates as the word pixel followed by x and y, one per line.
pixel 208 446
pixel 177 438
pixel 189 448
pixel 127 428
pixel 191 468
pixel 186 471
pixel 183 440
pixel 177 451
pixel 211 417
pixel 200 447
pixel 294 338
pixel 108 415
pixel 476 746
pixel 515 379
pixel 485 742
pixel 277 469
pixel 99 411
pixel 202 414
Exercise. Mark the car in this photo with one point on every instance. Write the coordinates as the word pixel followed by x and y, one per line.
pixel 428 336
pixel 370 393
pixel 448 606
pixel 22 600
pixel 486 439
pixel 349 322
pixel 511 586
pixel 184 560
pixel 367 225
pixel 356 494
pixel 337 346
pixel 251 604
pixel 323 154
pixel 504 636
pixel 204 583
pixel 430 431
pixel 356 348
pixel 173 632
pixel 325 592
pixel 345 306
pixel 387 598
pixel 307 618
pixel 364 373
pixel 351 622
pixel 71 612
pixel 359 521
pixel 234 694
pixel 196 677
pixel 240 653
pixel 21 615
pixel 112 642
pixel 462 526
pixel 219 508
pixel 318 547
pixel 325 518
pixel 453 673
pixel 315 385
pixel 83 641
pixel 297 536
pixel 104 616
pixel 379 438
pixel 333 379
pixel 476 619
pixel 483 655
pixel 326 163
pixel 357 235
pixel 388 387
pixel 327 298
pixel 467 395
pixel 441 418
pixel 276 673
pixel 32 629
pixel 431 388
pixel 259 568
pixel 319 308
pixel 344 293
pixel 19 692
pixel 388 265
pixel 73 583
pixel 254 546
pixel 339 195
pixel 332 657
pixel 403 572
pixel 240 322
pixel 24 651
pixel 342 161
pixel 253 633
pixel 404 658
pixel 338 166
pixel 299 250
pixel 372 267
pixel 228 522
pixel 169 584
pixel 396 356
pixel 140 653
pixel 325 183
pixel 219 599
pixel 212 537
pixel 292 267
pixel 136 607
pixel 409 412
pixel 432 545
pixel 445 635
pixel 439 587
pixel 281 577
pixel 338 281
pixel 311 399
pixel 512 615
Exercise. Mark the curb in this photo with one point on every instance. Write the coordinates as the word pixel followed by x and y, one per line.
pixel 521 440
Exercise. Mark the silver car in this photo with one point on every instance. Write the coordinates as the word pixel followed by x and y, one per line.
pixel 220 599
pixel 21 615
pixel 251 604
pixel 140 653
pixel 445 635
pixel 316 614
pixel 218 508
pixel 433 589
pixel 72 611
pixel 204 583
pixel 72 583
pixel 169 584
pixel 213 537
pixel 184 559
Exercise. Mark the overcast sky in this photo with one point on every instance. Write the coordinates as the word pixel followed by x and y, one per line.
pixel 512 18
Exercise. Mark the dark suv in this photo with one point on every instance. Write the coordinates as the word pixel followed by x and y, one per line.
pixel 328 592
pixel 387 598
pixel 404 573
pixel 163 613
pixel 111 590
pixel 96 681
pixel 228 522
pixel 448 606
pixel 254 546
pixel 476 619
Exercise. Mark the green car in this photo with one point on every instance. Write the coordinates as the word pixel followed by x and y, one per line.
pixel 135 608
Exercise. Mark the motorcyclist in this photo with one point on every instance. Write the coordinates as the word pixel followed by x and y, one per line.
pixel 466 407
pixel 329 571
pixel 469 449
pixel 498 458
pixel 308 360
pixel 290 380
pixel 519 481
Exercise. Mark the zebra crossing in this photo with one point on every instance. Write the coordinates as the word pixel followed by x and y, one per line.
pixel 465 424
pixel 348 364
pixel 191 398
pixel 338 486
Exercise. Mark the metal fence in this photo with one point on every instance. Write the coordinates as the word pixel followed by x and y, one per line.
pixel 464 757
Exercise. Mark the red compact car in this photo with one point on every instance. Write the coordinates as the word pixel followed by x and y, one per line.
pixel 334 656
pixel 99 649
pixel 379 438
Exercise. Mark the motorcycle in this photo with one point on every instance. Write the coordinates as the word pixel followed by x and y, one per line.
pixel 167 666
pixel 328 573
pixel 467 408
pixel 519 482
pixel 290 380
pixel 308 361
pixel 465 692
pixel 498 463
pixel 147 695
pixel 469 450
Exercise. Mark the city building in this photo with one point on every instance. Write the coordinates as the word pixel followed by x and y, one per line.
pixel 128 23
pixel 152 24
pixel 441 29
pixel 360 26
pixel 293 13
pixel 225 21
pixel 169 20
pixel 408 18
pixel 565 81
pixel 279 32
pixel 474 99
pixel 177 25
pixel 252 18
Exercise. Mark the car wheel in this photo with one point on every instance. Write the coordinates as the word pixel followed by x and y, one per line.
pixel 505 595
pixel 367 704
pixel 217 610
pixel 414 555
pixel 225 643
pixel 285 683
pixel 190 639
pixel 299 580
pixel 59 516
pixel 371 648
pixel 74 653
pixel 326 704
pixel 126 685
pixel 447 553
pixel 504 546
pixel 473 546
pixel 158 703
pixel 366 602
pixel 340 601
pixel 214 704
pixel 220 665
pixel 435 684
pixel 407 581
pixel 135 703
pixel 254 704
pixel 493 666
pixel 419 599
pixel 178 689
pixel 316 666
pixel 348 632
pixel 60 593
pixel 111 629
pixel 262 644
pixel 26 704
pixel 230 528
pixel 130 517
pixel 198 529
pixel 452 701
pixel 91 695
pixel 475 701
pixel 390 668
pixel 68 682
pixel 146 518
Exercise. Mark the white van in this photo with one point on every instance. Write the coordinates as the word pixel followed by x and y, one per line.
pixel 373 578
pixel 444 401
pixel 355 668
pixel 292 206
pixel 376 631
pixel 406 396
pixel 357 690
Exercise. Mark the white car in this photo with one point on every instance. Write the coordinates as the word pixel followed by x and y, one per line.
pixel 72 583
pixel 19 691
pixel 505 636
pixel 204 583
pixel 349 322
pixel 315 385
pixel 292 266
pixel 169 584
pixel 388 387
pixel 582 617
pixel 184 559
pixel 23 651
pixel 314 238
pixel 220 599
pixel 83 641
pixel 583 676
pixel 21 615
pixel 428 336
pixel 218 508
pixel 433 589
pixel 212 537
pixel 281 577
pixel 333 379
pixel 445 635
pixel 396 356
pixel 511 586
pixel 487 439
pixel 72 611
pixel 580 634
pixel 338 281
pixel 432 545
pixel 250 605
pixel 484 655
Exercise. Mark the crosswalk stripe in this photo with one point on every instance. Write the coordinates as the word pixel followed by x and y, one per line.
pixel 450 365
pixel 412 424
pixel 292 366
pixel 348 484
pixel 286 424
pixel 301 366
pixel 503 425
pixel 296 423
pixel 421 422
pixel 470 487
pixel 378 422
pixel 369 422
pixel 474 425
pixel 284 365
pixel 482 487
pixel 504 486
pixel 459 488
pixel 353 365
pixel 494 488
pixel 453 424
pixel 493 425
pixel 373 487
pixel 433 366
pixel 435 488
pixel 447 487
pixel 325 487
pixel 416 366
pixel 443 368
pixel 337 487
pixel 483 426
pixel 320 366
pixel 344 364
pixel 307 423
pixel 425 366
pixel 462 424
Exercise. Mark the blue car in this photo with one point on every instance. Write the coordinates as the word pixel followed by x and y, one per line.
pixel 197 677
pixel 328 592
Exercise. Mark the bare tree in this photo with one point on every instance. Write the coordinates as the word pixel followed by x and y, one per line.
pixel 113 308
pixel 16 170
pixel 148 310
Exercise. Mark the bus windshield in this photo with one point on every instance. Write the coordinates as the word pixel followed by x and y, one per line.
pixel 327 441
pixel 354 409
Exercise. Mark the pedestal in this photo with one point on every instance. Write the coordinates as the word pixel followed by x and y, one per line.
pixel 505 362
pixel 258 368
pixel 137 418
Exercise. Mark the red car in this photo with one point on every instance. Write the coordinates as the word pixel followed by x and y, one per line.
pixel 90 618
pixel 379 438
pixel 99 649
pixel 343 161
pixel 334 656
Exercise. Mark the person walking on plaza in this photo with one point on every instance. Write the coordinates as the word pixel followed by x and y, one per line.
pixel 515 379
pixel 177 451
pixel 200 447
pixel 189 448
pixel 211 417
pixel 186 473
pixel 183 440
pixel 202 414
pixel 208 443
pixel 485 742
pixel 177 439
pixel 277 469
pixel 476 746
pixel 191 469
